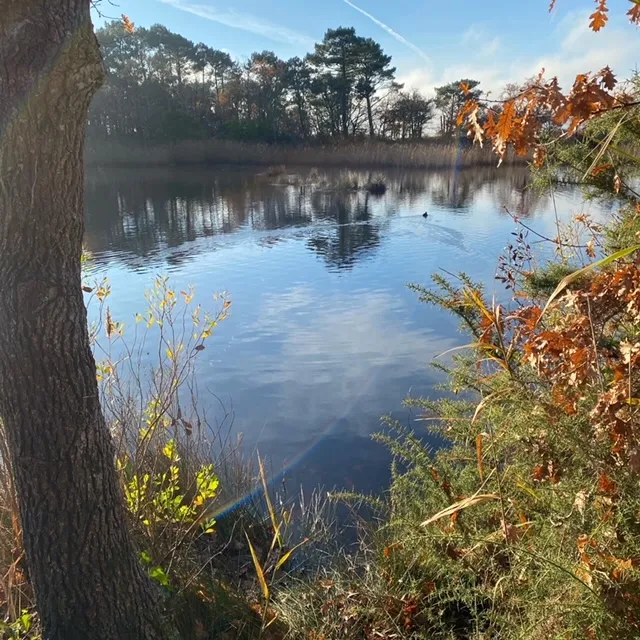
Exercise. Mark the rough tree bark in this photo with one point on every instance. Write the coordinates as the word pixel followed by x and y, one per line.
pixel 81 561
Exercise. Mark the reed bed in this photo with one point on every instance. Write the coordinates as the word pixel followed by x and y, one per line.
pixel 431 155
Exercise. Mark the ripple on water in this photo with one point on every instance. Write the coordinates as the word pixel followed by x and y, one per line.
pixel 324 336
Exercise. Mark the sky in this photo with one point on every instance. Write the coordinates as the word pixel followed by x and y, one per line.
pixel 432 42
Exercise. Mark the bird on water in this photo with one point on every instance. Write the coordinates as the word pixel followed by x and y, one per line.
pixel 425 215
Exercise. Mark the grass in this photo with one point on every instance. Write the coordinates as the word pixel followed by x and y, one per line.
pixel 421 155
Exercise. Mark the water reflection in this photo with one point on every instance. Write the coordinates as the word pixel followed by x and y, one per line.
pixel 141 214
pixel 324 337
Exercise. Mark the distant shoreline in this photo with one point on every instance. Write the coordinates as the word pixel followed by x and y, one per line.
pixel 429 154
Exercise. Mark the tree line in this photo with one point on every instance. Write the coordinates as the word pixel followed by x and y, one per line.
pixel 163 87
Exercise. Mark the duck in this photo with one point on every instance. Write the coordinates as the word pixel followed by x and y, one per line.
pixel 425 215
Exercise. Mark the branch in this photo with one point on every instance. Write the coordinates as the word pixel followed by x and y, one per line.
pixel 557 241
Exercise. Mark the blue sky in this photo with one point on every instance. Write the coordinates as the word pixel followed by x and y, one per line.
pixel 432 42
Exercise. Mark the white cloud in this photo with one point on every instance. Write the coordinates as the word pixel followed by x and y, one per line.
pixel 344 352
pixel 481 41
pixel 243 21
pixel 391 32
pixel 582 50
pixel 578 50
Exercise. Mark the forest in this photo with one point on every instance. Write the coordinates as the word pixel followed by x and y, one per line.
pixel 162 87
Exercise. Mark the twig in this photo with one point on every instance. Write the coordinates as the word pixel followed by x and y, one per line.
pixel 557 241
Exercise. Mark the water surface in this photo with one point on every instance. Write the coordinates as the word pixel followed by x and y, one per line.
pixel 324 336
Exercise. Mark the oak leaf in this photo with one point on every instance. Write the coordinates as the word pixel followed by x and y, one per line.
pixel 129 27
pixel 599 18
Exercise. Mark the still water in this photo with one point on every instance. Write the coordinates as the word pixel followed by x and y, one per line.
pixel 324 336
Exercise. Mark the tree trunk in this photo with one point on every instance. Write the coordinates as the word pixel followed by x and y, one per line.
pixel 372 131
pixel 344 116
pixel 81 560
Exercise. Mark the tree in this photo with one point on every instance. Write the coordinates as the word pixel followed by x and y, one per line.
pixel 266 91
pixel 407 115
pixel 81 561
pixel 175 55
pixel 298 83
pixel 338 56
pixel 374 70
pixel 450 98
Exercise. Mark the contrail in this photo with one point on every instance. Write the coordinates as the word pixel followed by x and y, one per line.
pixel 391 32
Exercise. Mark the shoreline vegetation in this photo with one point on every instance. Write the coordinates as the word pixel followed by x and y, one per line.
pixel 424 155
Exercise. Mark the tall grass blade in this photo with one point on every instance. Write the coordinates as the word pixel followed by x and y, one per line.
pixel 572 277
pixel 289 553
pixel 259 571
pixel 462 504
pixel 270 507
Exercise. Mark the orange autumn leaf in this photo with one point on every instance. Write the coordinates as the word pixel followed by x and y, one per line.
pixel 129 27
pixel 505 123
pixel 634 13
pixel 601 169
pixel 599 18
pixel 607 485
pixel 539 156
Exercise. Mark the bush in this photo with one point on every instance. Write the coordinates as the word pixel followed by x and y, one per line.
pixel 178 471
pixel 526 523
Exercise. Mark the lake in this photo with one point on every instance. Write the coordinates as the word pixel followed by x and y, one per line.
pixel 324 336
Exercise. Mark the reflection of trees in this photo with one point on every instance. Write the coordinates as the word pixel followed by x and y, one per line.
pixel 146 215
pixel 458 190
pixel 518 196
pixel 355 235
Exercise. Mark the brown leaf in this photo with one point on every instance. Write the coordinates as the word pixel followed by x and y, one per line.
pixel 539 156
pixel 505 124
pixel 601 169
pixel 608 79
pixel 479 454
pixel 607 485
pixel 129 27
pixel 580 501
pixel 599 18
pixel 634 13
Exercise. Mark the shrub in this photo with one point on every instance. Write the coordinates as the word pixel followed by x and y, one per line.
pixel 525 524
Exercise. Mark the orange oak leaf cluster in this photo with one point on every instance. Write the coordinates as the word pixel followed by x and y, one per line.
pixel 519 121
